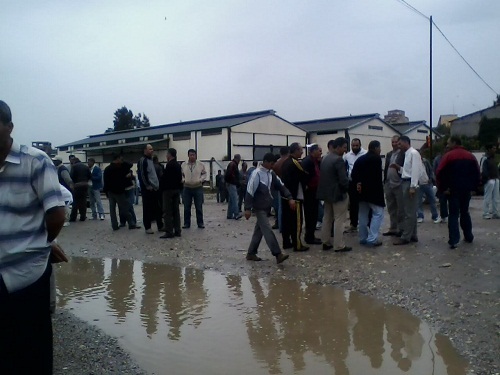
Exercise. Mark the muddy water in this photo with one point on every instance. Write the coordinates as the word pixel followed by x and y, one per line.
pixel 186 321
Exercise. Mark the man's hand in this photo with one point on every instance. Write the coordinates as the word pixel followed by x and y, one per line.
pixel 358 187
pixel 395 166
pixel 248 213
pixel 412 192
pixel 57 254
pixel 292 204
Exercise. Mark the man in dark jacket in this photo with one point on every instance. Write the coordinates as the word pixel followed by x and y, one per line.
pixel 457 175
pixel 232 179
pixel 150 185
pixel 171 187
pixel 294 178
pixel 332 189
pixel 311 166
pixel 259 198
pixel 80 174
pixel 367 175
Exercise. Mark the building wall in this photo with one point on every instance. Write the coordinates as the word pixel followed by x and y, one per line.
pixel 417 136
pixel 469 125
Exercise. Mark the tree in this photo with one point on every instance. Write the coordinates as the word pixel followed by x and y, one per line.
pixel 489 131
pixel 125 120
pixel 141 121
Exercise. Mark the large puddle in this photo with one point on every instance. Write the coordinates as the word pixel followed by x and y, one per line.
pixel 186 321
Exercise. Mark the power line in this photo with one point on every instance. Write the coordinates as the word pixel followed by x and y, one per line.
pixel 463 58
pixel 409 6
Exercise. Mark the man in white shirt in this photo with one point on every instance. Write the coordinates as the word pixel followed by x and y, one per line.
pixel 410 174
pixel 350 158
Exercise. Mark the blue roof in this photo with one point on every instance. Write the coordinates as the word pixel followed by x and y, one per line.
pixel 335 123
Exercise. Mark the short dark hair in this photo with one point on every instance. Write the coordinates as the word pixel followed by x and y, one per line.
pixel 255 163
pixel 489 146
pixel 91 159
pixel 313 147
pixel 338 142
pixel 330 143
pixel 285 150
pixel 405 139
pixel 192 150
pixel 373 145
pixel 237 156
pixel 356 139
pixel 172 152
pixel 456 140
pixel 155 158
pixel 115 156
pixel 294 147
pixel 71 157
pixel 269 157
pixel 5 113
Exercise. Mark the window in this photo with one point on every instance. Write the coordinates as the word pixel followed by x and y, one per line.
pixel 422 131
pixel 182 136
pixel 207 132
pixel 375 127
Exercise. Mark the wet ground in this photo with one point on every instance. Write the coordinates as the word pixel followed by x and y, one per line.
pixel 454 293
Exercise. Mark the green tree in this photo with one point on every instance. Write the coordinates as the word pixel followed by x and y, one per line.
pixel 489 131
pixel 141 121
pixel 125 120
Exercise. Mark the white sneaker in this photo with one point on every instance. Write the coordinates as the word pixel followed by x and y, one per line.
pixel 66 224
pixel 487 217
pixel 438 220
pixel 420 220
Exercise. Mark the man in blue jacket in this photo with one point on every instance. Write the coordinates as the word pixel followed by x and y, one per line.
pixel 95 190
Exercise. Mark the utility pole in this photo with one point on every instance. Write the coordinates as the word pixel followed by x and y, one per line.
pixel 430 91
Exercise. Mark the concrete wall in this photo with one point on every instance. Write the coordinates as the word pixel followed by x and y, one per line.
pixel 469 125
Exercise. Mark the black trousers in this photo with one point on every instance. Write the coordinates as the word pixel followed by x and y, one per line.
pixel 292 225
pixel 171 212
pixel 310 214
pixel 151 209
pixel 353 204
pixel 26 328
pixel 79 203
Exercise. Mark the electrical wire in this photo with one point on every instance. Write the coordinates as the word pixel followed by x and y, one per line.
pixel 409 6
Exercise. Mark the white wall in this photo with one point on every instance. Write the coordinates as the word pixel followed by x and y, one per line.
pixel 212 146
pixel 366 135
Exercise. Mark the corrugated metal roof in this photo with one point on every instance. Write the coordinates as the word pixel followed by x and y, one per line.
pixel 194 125
pixel 335 123
pixel 406 127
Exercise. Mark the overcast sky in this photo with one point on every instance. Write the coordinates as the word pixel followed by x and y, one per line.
pixel 66 66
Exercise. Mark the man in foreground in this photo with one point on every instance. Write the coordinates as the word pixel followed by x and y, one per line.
pixel 32 215
pixel 259 198
pixel 193 177
pixel 457 175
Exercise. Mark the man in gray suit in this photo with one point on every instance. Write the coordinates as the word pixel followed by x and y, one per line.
pixel 332 189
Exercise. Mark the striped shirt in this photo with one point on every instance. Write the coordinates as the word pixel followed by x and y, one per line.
pixel 29 187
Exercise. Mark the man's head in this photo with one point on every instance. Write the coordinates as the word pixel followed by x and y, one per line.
pixel 320 153
pixel 315 151
pixel 237 158
pixel 268 160
pixel 155 160
pixel 244 166
pixel 255 163
pixel 374 146
pixel 116 158
pixel 219 172
pixel 296 150
pixel 395 142
pixel 91 162
pixel 491 149
pixel 356 145
pixel 57 160
pixel 6 124
pixel 404 143
pixel 284 151
pixel 171 154
pixel 339 146
pixel 72 159
pixel 148 151
pixel 453 141
pixel 192 155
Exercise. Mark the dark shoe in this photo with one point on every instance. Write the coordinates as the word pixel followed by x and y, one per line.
pixel 300 249
pixel 201 226
pixel 72 220
pixel 162 229
pixel 238 217
pixel 275 226
pixel 185 226
pixel 253 257
pixel 343 249
pixel 401 242
pixel 314 241
pixel 115 229
pixel 135 227
pixel 83 218
pixel 167 235
pixel 177 234
pixel 280 258
pixel 122 225
pixel 327 247
pixel 453 246
pixel 390 233
pixel 287 246
pixel 414 239
pixel 373 244
pixel 469 240
pixel 149 231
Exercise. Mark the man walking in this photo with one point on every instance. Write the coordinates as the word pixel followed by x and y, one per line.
pixel 116 176
pixel 457 175
pixel 95 190
pixel 426 188
pixel 392 188
pixel 232 179
pixel 311 166
pixel 80 174
pixel 171 187
pixel 350 158
pixel 259 198
pixel 193 176
pixel 410 175
pixel 150 185
pixel 367 176
pixel 32 216
pixel 294 178
pixel 219 185
pixel 332 189
pixel 489 175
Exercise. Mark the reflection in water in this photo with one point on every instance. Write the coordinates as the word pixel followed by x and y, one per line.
pixel 181 321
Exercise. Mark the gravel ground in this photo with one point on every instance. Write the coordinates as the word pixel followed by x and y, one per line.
pixel 454 291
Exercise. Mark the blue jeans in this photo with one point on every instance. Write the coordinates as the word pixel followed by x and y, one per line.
pixel 95 201
pixel 431 199
pixel 459 208
pixel 369 234
pixel 232 202
pixel 188 196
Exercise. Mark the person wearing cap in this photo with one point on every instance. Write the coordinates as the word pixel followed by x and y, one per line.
pixel 63 173
pixel 32 216
pixel 259 197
